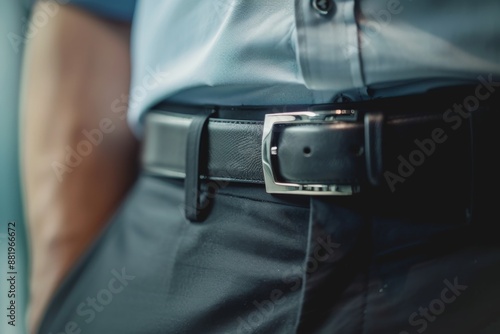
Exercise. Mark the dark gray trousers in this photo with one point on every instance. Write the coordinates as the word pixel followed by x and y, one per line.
pixel 282 264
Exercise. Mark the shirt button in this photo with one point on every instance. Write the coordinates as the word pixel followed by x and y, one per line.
pixel 322 6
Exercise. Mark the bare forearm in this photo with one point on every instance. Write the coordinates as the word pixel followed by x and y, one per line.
pixel 78 156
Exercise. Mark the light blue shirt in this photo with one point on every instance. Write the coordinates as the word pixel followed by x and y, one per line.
pixel 234 52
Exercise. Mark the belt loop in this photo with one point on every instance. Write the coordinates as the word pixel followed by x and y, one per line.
pixel 374 124
pixel 195 206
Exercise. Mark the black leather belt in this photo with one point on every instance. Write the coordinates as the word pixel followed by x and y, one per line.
pixel 336 149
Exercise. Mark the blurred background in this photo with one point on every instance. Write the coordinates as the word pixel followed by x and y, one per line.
pixel 13 24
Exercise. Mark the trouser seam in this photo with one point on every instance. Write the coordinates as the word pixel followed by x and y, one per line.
pixel 364 306
pixel 304 274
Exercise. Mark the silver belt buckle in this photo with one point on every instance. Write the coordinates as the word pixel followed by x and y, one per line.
pixel 270 152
